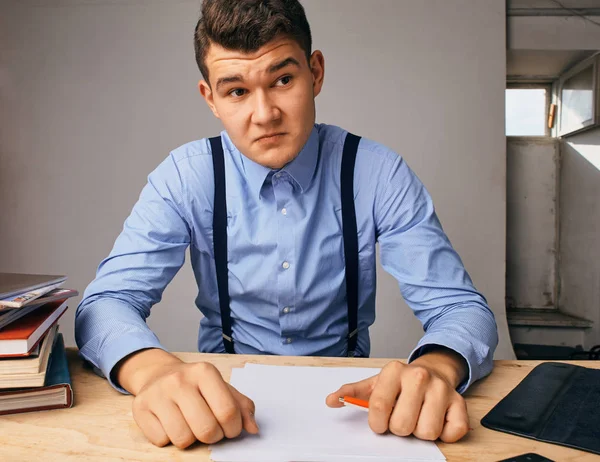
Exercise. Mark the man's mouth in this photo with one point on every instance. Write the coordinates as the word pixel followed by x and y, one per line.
pixel 271 136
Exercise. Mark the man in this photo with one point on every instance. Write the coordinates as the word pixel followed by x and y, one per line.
pixel 281 217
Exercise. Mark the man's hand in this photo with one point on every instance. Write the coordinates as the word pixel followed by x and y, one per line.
pixel 183 402
pixel 418 399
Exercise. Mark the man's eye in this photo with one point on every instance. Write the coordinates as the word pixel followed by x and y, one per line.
pixel 285 80
pixel 237 92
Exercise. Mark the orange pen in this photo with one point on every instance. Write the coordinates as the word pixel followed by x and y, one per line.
pixel 355 402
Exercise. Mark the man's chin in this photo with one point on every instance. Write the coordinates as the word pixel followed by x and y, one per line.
pixel 275 162
pixel 274 158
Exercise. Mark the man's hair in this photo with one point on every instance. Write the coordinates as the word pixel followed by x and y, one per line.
pixel 247 25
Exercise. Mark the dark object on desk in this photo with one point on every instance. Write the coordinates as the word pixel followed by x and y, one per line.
pixel 56 393
pixel 556 403
pixel 529 457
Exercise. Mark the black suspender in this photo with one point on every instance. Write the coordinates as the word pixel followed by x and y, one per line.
pixel 220 240
pixel 350 237
pixel 348 226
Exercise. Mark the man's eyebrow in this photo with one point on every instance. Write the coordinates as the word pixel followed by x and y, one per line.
pixel 272 69
pixel 229 79
pixel 286 62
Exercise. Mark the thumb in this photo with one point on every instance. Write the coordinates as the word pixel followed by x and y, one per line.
pixel 360 390
pixel 247 409
pixel 249 420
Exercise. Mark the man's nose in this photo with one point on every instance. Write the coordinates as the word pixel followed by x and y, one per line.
pixel 265 111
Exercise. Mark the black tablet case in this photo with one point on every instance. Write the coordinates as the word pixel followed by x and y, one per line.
pixel 556 403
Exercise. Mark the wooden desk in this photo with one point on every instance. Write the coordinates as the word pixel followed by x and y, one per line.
pixel 100 426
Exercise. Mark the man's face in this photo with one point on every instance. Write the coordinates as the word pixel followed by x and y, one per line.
pixel 265 99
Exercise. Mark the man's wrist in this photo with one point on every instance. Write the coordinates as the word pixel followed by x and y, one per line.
pixel 135 370
pixel 444 362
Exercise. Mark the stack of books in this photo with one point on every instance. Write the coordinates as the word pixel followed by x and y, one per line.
pixel 34 372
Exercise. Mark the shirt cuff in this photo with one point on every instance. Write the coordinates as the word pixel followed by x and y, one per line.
pixel 455 344
pixel 119 348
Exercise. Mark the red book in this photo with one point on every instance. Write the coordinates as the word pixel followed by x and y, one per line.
pixel 20 337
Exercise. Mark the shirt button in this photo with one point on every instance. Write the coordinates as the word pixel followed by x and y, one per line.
pixel 285 265
pixel 288 340
pixel 286 310
pixel 284 211
pixel 278 175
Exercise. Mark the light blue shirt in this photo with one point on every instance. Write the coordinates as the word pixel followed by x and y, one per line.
pixel 285 257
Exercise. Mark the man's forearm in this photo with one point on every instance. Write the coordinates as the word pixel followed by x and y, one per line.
pixel 447 363
pixel 135 370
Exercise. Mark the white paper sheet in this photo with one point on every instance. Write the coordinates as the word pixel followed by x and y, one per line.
pixel 296 424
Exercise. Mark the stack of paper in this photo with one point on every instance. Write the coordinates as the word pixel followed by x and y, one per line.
pixel 296 424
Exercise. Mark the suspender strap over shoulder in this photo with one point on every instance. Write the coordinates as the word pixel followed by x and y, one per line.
pixel 220 240
pixel 350 236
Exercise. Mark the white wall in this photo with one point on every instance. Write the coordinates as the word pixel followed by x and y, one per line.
pixel 95 93
pixel 580 230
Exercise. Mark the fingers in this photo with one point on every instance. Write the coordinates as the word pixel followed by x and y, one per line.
pixel 457 421
pixel 189 403
pixel 433 412
pixel 360 390
pixel 150 426
pixel 410 400
pixel 174 424
pixel 408 407
pixel 384 396
pixel 217 394
pixel 198 415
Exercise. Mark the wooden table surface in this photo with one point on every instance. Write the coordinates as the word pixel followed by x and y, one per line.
pixel 100 427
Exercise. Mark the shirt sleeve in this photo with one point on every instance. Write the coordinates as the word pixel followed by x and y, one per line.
pixel 110 321
pixel 433 281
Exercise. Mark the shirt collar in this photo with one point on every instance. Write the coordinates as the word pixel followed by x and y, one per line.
pixel 301 169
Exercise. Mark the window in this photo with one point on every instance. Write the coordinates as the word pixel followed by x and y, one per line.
pixel 579 99
pixel 527 110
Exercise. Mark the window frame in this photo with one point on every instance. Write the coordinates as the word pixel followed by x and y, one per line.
pixel 593 61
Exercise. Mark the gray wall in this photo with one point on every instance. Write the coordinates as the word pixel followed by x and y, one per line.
pixel 531 224
pixel 96 93
pixel 580 230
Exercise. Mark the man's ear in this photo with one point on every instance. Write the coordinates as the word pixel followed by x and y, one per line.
pixel 317 69
pixel 207 94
